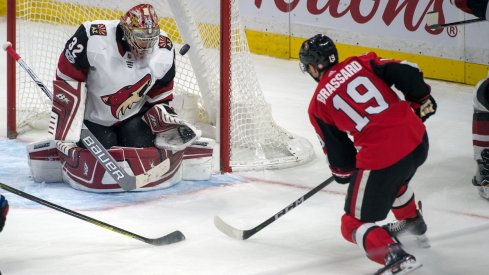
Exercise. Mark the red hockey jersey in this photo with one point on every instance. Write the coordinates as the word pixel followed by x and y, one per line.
pixel 361 121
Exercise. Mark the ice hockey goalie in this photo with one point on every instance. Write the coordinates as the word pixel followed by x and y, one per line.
pixel 60 159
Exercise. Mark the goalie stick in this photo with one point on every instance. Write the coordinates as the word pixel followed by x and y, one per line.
pixel 432 18
pixel 126 182
pixel 173 237
pixel 245 234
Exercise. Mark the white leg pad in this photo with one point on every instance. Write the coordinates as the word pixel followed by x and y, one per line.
pixel 198 160
pixel 44 161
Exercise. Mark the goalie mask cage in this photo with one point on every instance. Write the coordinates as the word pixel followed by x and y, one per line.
pixel 229 101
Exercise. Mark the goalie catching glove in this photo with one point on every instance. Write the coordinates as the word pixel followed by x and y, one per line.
pixel 172 133
pixel 424 108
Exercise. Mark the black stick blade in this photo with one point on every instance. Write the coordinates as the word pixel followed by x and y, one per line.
pixel 174 237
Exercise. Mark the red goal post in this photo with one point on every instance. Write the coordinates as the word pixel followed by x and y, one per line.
pixel 216 79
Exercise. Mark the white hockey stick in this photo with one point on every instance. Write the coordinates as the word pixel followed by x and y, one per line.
pixel 239 234
pixel 432 21
pixel 126 182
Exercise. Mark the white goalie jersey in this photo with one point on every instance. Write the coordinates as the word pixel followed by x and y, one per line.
pixel 118 82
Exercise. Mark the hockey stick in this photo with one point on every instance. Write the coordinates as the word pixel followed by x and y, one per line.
pixel 170 238
pixel 126 182
pixel 432 18
pixel 245 234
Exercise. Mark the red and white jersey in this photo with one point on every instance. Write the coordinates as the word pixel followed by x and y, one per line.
pixel 354 99
pixel 118 83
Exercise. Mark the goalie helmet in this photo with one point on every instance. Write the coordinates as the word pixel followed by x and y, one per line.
pixel 318 51
pixel 141 29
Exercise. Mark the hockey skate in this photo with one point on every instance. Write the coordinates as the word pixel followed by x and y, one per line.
pixel 398 262
pixel 412 227
pixel 482 187
pixel 481 178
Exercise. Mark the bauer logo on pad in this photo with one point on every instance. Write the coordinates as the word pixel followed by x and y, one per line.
pixel 98 29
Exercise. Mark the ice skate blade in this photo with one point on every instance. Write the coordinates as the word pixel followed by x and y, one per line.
pixel 401 268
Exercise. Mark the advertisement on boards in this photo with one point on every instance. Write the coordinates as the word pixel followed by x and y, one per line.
pixel 397 25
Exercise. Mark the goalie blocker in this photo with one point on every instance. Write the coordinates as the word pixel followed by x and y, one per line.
pixel 59 159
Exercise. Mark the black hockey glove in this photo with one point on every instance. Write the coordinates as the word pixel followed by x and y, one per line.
pixel 424 108
pixel 3 211
pixel 341 176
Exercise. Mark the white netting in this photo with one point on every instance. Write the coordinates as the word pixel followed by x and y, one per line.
pixel 43 27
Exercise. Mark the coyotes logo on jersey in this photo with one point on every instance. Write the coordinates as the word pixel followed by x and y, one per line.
pixel 127 96
pixel 98 29
pixel 165 42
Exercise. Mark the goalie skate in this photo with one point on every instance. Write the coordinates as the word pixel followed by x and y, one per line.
pixel 398 262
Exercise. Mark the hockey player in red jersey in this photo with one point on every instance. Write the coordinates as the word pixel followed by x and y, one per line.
pixel 374 141
pixel 3 211
pixel 128 66
pixel 475 7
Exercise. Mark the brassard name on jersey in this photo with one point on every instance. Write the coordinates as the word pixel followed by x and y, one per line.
pixel 339 78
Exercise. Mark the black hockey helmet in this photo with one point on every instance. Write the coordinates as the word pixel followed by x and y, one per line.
pixel 319 51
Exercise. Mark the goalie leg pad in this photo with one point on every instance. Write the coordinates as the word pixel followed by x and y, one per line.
pixel 44 162
pixel 198 160
pixel 82 171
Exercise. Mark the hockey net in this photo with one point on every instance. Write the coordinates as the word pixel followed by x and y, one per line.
pixel 255 140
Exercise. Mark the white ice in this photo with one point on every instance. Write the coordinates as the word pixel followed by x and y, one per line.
pixel 307 240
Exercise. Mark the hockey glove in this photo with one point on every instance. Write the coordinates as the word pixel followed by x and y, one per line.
pixel 424 108
pixel 177 138
pixel 341 176
pixel 172 133
pixel 3 211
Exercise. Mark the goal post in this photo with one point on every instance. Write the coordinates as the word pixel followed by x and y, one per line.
pixel 215 81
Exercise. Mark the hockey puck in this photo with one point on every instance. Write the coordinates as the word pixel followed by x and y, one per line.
pixel 184 49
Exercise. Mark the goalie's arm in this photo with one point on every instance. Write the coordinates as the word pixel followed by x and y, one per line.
pixel 73 62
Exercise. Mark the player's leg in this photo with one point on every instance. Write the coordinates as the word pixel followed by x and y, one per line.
pixel 480 136
pixel 409 222
pixel 134 132
pixel 369 199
